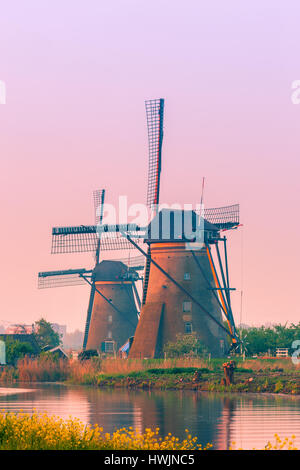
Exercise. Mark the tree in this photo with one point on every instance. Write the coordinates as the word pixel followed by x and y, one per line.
pixel 185 344
pixel 261 340
pixel 45 334
pixel 16 350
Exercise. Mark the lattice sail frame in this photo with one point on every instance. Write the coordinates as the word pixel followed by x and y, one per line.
pixel 155 115
pixel 131 262
pixel 223 217
pixel 64 278
pixel 84 239
pixel 98 196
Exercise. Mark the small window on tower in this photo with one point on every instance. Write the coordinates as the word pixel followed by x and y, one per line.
pixel 187 306
pixel 188 328
pixel 109 319
pixel 108 346
pixel 109 335
pixel 187 276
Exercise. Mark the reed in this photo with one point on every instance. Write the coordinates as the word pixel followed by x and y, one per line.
pixel 271 364
pixel 121 366
pixel 42 369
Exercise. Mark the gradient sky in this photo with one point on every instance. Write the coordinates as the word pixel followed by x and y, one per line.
pixel 77 74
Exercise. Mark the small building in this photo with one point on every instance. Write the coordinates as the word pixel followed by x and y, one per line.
pixel 58 350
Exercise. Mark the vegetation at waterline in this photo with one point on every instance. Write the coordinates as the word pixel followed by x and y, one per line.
pixel 42 432
pixel 265 340
pixel 252 375
pixel 16 350
pixel 31 345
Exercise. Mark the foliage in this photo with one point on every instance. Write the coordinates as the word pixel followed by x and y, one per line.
pixel 262 340
pixel 87 354
pixel 45 334
pixel 41 432
pixel 16 349
pixel 185 344
pixel 177 370
pixel 278 386
pixel 264 375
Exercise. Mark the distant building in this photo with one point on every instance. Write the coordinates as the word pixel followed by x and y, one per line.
pixel 60 329
pixel 20 329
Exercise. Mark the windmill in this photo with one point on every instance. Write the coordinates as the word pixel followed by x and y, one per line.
pixel 112 313
pixel 185 290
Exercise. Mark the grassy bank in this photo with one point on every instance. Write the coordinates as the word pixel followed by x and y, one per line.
pixel 267 378
pixel 41 432
pixel 252 375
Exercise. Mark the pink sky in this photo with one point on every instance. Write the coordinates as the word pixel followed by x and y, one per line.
pixel 77 74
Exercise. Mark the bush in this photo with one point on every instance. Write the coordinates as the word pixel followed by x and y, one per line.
pixel 87 354
pixel 185 344
pixel 278 386
pixel 16 350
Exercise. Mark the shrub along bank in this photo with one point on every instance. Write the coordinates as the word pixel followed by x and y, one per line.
pixel 252 375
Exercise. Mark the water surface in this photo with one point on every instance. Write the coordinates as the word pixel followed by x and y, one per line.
pixel 248 420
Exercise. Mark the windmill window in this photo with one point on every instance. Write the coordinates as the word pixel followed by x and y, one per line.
pixel 188 328
pixel 109 319
pixel 108 346
pixel 109 334
pixel 187 276
pixel 187 306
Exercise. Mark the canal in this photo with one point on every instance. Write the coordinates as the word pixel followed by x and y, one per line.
pixel 248 420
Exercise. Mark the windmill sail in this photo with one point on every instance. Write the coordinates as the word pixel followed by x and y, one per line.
pixel 85 238
pixel 155 115
pixel 69 277
pixel 155 118
pixel 99 205
pixel 223 217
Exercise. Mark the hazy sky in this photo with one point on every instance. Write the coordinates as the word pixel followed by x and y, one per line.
pixel 77 74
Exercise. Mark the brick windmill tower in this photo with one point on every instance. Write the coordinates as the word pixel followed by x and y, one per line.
pixel 185 290
pixel 112 314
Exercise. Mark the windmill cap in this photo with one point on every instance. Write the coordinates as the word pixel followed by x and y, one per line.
pixel 109 270
pixel 176 225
